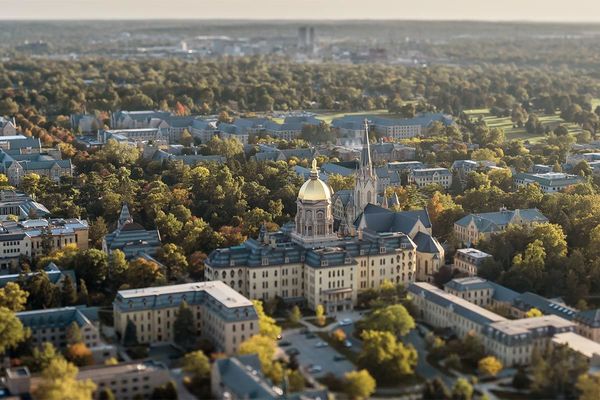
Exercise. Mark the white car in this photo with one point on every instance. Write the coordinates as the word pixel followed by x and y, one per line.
pixel 321 344
pixel 315 369
pixel 345 322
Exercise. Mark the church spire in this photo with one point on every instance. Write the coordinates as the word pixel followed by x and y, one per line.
pixel 365 155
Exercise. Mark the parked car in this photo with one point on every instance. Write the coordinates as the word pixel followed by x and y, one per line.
pixel 284 343
pixel 315 369
pixel 347 344
pixel 310 335
pixel 345 322
pixel 338 357
pixel 320 344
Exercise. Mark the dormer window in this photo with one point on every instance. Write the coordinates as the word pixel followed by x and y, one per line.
pixel 265 261
pixel 324 263
pixel 382 250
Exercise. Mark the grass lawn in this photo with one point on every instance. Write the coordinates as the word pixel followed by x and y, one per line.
pixel 313 321
pixel 513 133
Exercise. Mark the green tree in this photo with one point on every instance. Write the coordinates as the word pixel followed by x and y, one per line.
pixel 13 297
pixel 435 389
pixel 197 365
pixel 589 386
pixel 106 394
pixel 74 334
pixel 59 381
pixel 68 292
pixel 43 356
pixel 184 328
pixel 295 315
pixel 144 273
pixel 82 296
pixel 98 229
pixel 394 319
pixel 462 390
pixel 168 391
pixel 359 384
pixel 266 325
pixel 296 381
pixel 130 338
pixel 11 330
pixel 386 358
pixel 174 259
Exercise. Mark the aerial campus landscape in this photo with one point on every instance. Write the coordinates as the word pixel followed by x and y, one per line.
pixel 297 200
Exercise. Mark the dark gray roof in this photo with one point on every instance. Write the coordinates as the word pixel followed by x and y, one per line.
pixel 381 219
pixel 589 318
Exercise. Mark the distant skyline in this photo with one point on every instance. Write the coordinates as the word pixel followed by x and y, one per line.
pixel 506 10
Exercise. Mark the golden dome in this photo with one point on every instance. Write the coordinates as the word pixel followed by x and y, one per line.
pixel 315 189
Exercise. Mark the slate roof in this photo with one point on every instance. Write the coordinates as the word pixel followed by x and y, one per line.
pixel 464 308
pixel 52 271
pixel 528 300
pixel 380 219
pixel 57 317
pixel 427 244
pixel 499 292
pixel 588 317
pixel 552 179
pixel 492 221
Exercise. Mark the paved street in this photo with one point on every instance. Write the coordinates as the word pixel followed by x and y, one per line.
pixel 311 355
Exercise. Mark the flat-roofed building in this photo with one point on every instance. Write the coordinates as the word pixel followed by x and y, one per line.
pixel 468 260
pixel 127 381
pixel 549 182
pixel 582 345
pixel 513 341
pixel 221 314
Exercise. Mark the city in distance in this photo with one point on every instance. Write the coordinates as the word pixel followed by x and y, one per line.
pixel 230 208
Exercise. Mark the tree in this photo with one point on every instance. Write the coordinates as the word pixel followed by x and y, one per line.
pixel 172 256
pixel 359 384
pixel 11 330
pixel 43 356
pixel 338 335
pixel 490 366
pixel 74 334
pixel 144 273
pixel 92 266
pixel 386 359
pixel 266 325
pixel 82 296
pixel 106 394
pixel 435 390
pixel 295 315
pixel 186 138
pixel 462 390
pixel 79 354
pixel 168 391
pixel 68 292
pixel 59 381
pixel 184 328
pixel 130 338
pixel 320 315
pixel 264 347
pixel 589 386
pixel 582 168
pixel 12 297
pixel 394 319
pixel 533 312
pixel 197 365
pixel 98 229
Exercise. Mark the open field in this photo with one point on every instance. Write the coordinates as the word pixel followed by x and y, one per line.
pixel 520 133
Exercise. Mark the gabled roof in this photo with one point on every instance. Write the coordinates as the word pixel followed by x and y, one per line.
pixel 380 219
pixel 427 244
pixel 589 318
pixel 490 222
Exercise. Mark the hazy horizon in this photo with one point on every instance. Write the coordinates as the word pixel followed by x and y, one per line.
pixel 538 11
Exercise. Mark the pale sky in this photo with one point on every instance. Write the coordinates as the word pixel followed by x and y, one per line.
pixel 501 10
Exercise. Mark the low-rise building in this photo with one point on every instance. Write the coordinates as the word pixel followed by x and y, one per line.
pixel 409 127
pixel 127 381
pixel 386 152
pixel 588 324
pixel 221 315
pixel 7 127
pixel 241 377
pixel 204 129
pixel 31 238
pixel 526 301
pixel 131 238
pixel 473 227
pixel 429 176
pixel 85 123
pixel 481 292
pixel 549 182
pixel 20 205
pixel 136 136
pixel 468 260
pixel 582 345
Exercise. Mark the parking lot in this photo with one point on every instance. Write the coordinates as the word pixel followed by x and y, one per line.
pixel 309 354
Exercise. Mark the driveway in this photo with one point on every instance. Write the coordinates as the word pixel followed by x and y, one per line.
pixel 311 355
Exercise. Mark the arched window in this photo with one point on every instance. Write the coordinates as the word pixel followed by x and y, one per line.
pixel 224 274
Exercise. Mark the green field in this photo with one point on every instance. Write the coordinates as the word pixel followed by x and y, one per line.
pixel 520 133
pixel 329 116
